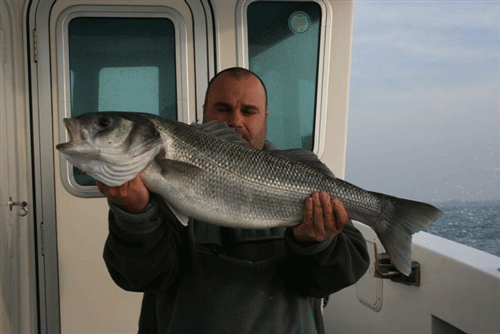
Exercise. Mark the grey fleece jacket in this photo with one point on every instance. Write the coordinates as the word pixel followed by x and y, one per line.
pixel 210 279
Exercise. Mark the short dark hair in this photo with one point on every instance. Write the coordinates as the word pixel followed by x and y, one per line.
pixel 237 73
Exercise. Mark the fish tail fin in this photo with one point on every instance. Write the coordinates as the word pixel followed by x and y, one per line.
pixel 400 218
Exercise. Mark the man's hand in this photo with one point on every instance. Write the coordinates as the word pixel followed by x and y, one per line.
pixel 132 197
pixel 324 218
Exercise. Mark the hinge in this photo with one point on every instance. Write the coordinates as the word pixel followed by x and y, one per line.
pixel 3 42
pixel 42 240
pixel 385 269
pixel 35 46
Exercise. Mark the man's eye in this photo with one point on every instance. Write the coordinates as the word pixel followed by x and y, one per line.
pixel 249 111
pixel 222 109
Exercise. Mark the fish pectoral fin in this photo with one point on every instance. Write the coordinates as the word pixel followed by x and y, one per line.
pixel 170 166
pixel 183 219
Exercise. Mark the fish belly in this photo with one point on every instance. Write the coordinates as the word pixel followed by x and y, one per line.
pixel 229 200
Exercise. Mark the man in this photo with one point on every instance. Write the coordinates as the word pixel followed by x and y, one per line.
pixel 211 279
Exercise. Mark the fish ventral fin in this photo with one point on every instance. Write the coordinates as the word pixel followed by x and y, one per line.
pixel 221 130
pixel 172 168
pixel 183 219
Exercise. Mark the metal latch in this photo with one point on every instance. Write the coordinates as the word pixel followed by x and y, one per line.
pixel 23 206
pixel 385 269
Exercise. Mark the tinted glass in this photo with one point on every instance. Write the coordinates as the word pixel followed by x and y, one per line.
pixel 122 64
pixel 283 47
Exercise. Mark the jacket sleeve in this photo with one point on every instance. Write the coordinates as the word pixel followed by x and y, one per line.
pixel 142 250
pixel 320 269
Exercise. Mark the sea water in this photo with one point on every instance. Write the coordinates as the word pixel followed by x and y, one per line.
pixel 475 224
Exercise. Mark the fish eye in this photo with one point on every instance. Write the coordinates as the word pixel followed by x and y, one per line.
pixel 104 121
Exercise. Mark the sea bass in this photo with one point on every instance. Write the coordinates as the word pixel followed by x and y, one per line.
pixel 206 173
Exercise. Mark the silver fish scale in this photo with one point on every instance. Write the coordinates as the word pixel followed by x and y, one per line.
pixel 257 185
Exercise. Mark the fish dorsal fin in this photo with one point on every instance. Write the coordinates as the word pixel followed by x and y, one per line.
pixel 305 157
pixel 220 130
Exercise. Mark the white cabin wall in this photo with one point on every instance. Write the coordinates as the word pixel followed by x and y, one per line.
pixel 333 154
pixel 459 292
pixel 17 243
pixel 225 33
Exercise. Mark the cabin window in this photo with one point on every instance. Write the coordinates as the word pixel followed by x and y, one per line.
pixel 283 49
pixel 122 64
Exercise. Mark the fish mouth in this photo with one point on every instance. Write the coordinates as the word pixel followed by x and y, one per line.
pixel 77 144
pixel 72 129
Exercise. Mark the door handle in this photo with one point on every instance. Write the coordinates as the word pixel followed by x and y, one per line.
pixel 23 206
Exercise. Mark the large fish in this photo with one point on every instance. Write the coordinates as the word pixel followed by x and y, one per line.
pixel 204 172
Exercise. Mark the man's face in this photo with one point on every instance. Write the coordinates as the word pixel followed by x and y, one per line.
pixel 241 103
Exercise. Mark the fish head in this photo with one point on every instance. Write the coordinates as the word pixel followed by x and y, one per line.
pixel 111 147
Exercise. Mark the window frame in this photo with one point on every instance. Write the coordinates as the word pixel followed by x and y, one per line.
pixel 64 75
pixel 323 64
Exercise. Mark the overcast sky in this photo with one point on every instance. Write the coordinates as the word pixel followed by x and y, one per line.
pixel 424 99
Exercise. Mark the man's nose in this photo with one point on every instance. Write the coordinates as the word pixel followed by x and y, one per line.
pixel 236 119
